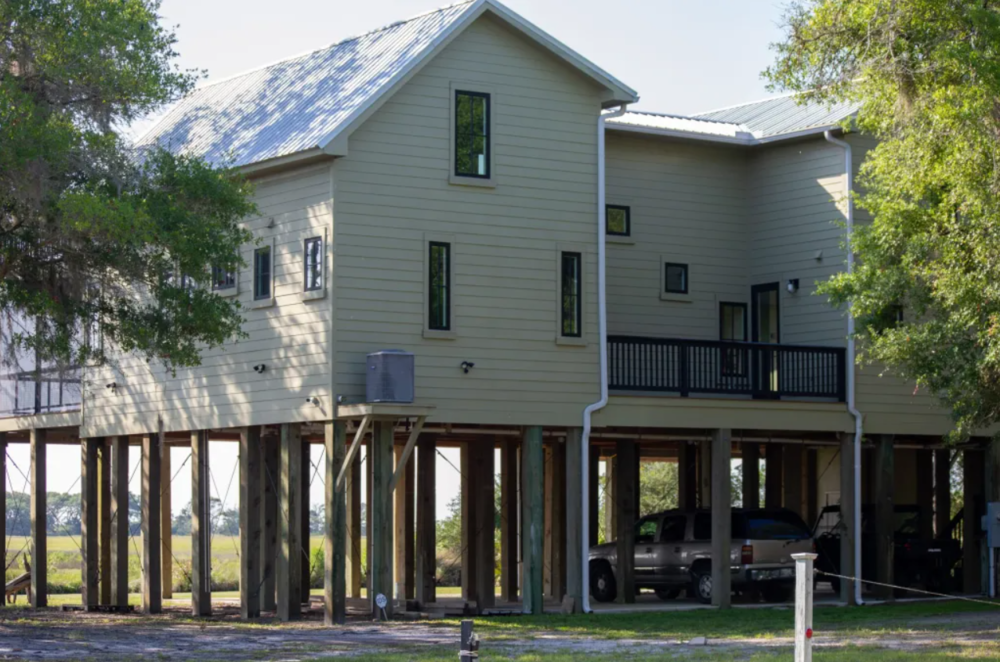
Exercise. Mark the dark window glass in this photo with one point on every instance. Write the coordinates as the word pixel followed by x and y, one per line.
pixel 571 295
pixel 645 531
pixel 222 279
pixel 472 134
pixel 733 328
pixel 439 280
pixel 676 277
pixel 314 264
pixel 619 220
pixel 773 525
pixel 702 526
pixel 262 273
pixel 673 528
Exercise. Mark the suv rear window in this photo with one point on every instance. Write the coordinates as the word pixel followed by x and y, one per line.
pixel 770 525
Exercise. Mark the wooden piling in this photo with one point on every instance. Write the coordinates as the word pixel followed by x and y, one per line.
pixel 625 538
pixel 722 452
pixel 335 538
pixel 119 522
pixel 89 540
pixel 251 496
pixel 149 500
pixel 532 520
pixel 201 519
pixel 289 574
pixel 426 544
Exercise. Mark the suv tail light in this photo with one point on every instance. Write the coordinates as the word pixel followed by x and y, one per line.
pixel 746 555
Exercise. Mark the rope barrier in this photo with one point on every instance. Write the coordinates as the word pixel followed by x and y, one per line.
pixel 906 588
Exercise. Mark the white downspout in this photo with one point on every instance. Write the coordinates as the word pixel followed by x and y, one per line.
pixel 602 324
pixel 858 430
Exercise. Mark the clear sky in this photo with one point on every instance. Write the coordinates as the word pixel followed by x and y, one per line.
pixel 683 56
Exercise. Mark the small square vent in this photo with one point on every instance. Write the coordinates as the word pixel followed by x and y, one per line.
pixel 389 377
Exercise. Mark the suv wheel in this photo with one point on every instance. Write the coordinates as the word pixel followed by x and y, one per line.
pixel 667 594
pixel 702 582
pixel 603 586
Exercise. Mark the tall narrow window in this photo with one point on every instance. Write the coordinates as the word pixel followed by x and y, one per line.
pixel 618 220
pixel 439 285
pixel 472 134
pixel 262 273
pixel 571 296
pixel 223 279
pixel 733 328
pixel 313 264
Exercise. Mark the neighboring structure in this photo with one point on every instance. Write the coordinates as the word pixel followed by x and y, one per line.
pixel 436 186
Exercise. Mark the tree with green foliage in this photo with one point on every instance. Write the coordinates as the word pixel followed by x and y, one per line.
pixel 925 75
pixel 98 241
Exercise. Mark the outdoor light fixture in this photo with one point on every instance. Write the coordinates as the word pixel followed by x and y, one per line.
pixel 113 387
pixel 467 366
pixel 313 400
pixel 793 285
pixel 260 368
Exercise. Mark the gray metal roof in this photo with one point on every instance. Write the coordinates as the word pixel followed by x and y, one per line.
pixel 303 103
pixel 678 124
pixel 293 105
pixel 780 115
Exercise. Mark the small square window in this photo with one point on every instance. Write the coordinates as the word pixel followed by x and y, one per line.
pixel 313 264
pixel 262 273
pixel 675 278
pixel 472 134
pixel 618 220
pixel 223 279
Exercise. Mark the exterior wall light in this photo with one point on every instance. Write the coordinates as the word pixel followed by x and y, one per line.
pixel 260 368
pixel 793 285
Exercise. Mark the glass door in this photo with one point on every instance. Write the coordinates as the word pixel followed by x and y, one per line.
pixel 765 329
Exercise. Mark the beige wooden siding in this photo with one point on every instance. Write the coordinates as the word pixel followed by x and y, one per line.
pixel 688 205
pixel 890 404
pixel 794 216
pixel 291 338
pixel 392 195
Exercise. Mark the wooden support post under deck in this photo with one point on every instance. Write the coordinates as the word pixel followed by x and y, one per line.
pixel 426 545
pixel 792 481
pixel 508 520
pixel 942 493
pixel 467 455
pixel 687 476
pixel 251 496
pixel 847 489
pixel 973 492
pixel 485 536
pixel 89 542
pixel 557 498
pixel 925 493
pixel 704 474
pixel 39 518
pixel 289 567
pixel 812 485
pixel 722 450
pixel 594 487
pixel 149 500
pixel 750 467
pixel 610 499
pixel 532 520
pixel 119 522
pixel 305 537
pixel 166 527
pixel 368 516
pixel 403 518
pixel 335 538
pixel 270 476
pixel 104 510
pixel 201 522
pixel 772 475
pixel 573 518
pixel 624 536
pixel 353 497
pixel 885 491
pixel 381 506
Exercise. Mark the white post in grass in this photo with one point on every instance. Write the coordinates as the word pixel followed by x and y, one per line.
pixel 803 606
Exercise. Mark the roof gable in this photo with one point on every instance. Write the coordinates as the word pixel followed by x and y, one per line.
pixel 307 102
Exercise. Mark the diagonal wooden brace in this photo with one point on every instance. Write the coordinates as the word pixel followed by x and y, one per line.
pixel 407 451
pixel 351 452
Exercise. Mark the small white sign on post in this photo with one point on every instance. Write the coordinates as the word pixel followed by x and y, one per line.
pixel 803 606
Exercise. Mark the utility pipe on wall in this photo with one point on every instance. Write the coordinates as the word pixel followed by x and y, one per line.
pixel 851 349
pixel 602 323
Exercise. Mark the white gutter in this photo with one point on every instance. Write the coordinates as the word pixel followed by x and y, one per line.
pixel 602 323
pixel 858 429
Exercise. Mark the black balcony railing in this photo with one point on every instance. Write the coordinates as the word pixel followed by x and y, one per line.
pixel 39 392
pixel 759 370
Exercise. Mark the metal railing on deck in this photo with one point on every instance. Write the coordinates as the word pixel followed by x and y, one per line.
pixel 760 370
pixel 51 389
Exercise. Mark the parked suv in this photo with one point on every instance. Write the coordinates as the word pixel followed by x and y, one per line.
pixel 673 551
